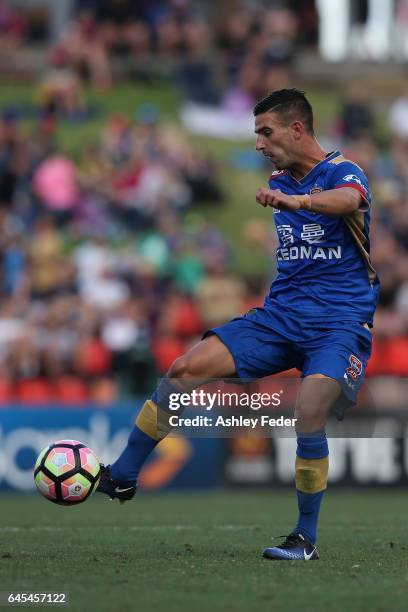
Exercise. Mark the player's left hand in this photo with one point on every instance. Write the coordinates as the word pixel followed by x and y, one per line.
pixel 276 199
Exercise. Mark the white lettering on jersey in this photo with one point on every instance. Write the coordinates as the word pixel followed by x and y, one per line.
pixel 312 233
pixel 307 252
pixel 285 233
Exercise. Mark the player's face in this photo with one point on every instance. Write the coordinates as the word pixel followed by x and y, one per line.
pixel 275 140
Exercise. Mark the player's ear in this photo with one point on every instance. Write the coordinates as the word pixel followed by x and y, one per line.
pixel 297 128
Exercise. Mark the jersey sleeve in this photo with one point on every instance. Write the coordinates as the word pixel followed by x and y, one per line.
pixel 277 180
pixel 348 174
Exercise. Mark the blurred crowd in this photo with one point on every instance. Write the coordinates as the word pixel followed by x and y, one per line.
pixel 107 271
pixel 226 53
pixel 254 41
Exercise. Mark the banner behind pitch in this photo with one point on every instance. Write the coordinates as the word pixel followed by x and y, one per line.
pixel 198 462
pixel 177 462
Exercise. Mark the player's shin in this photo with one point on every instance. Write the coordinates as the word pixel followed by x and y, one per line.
pixel 311 473
pixel 151 426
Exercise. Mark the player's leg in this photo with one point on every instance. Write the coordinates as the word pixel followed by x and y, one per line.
pixel 317 395
pixel 246 347
pixel 208 359
pixel 333 369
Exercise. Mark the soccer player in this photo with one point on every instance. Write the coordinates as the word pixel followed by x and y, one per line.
pixel 316 317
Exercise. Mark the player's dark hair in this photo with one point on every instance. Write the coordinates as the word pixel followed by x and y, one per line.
pixel 290 104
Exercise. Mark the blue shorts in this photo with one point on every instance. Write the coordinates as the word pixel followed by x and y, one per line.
pixel 264 342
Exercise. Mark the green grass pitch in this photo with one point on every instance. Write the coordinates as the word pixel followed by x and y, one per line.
pixel 201 551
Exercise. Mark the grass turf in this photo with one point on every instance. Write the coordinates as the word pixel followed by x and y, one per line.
pixel 202 552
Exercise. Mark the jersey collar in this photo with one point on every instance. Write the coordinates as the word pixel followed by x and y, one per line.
pixel 310 175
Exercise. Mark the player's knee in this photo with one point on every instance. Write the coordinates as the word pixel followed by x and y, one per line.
pixel 195 363
pixel 183 367
pixel 309 417
pixel 179 368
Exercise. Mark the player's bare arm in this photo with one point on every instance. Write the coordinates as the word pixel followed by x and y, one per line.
pixel 332 202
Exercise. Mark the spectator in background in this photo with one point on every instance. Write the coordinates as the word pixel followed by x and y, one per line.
pixel 122 27
pixel 56 187
pixel 234 26
pixel 45 256
pixel 221 295
pixel 309 20
pixel 356 116
pixel 12 27
pixel 83 48
pixel 14 264
pixel 278 34
pixel 182 31
pixel 60 90
pixel 12 154
pixel 401 28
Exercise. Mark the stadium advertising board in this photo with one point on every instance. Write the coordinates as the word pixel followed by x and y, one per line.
pixel 177 463
pixel 182 462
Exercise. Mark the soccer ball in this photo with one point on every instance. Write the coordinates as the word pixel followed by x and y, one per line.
pixel 67 472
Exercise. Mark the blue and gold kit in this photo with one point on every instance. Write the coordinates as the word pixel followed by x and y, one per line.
pixel 324 266
pixel 320 307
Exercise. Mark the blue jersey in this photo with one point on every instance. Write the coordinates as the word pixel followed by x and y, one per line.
pixel 325 272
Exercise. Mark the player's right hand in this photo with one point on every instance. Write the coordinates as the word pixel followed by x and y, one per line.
pixel 276 199
pixel 265 197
